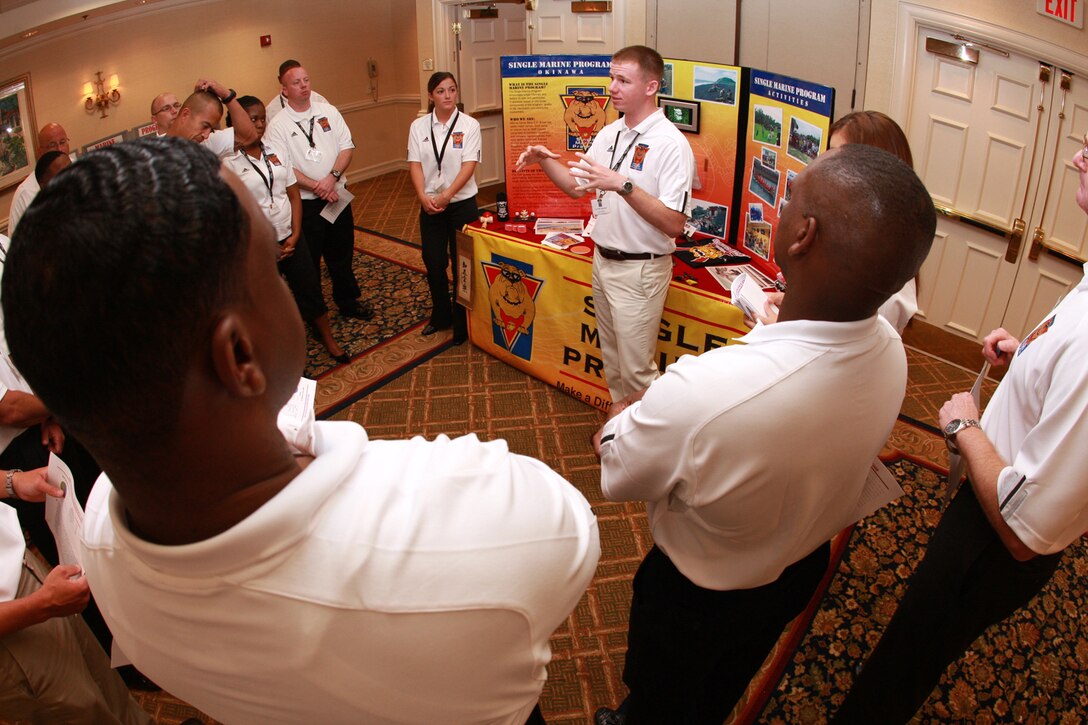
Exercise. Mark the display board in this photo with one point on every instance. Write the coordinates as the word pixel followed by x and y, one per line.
pixel 786 129
pixel 558 101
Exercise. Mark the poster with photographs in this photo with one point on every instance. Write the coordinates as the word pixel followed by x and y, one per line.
pixel 788 121
pixel 712 91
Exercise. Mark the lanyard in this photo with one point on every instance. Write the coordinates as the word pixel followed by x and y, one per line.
pixel 268 180
pixel 439 156
pixel 616 166
pixel 309 136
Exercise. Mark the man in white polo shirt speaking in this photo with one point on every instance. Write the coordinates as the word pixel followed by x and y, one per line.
pixel 639 169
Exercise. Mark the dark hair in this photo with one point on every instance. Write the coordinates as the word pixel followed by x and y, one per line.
pixel 44 162
pixel 876 210
pixel 200 100
pixel 648 59
pixel 246 102
pixel 114 276
pixel 288 65
pixel 874 128
pixel 436 78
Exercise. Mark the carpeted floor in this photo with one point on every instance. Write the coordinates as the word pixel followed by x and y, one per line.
pixel 1032 671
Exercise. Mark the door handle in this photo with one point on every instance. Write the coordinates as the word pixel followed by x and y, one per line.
pixel 1015 238
pixel 1036 243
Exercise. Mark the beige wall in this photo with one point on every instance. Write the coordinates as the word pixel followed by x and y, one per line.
pixel 163 49
pixel 1020 16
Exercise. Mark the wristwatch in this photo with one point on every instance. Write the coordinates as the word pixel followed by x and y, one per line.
pixel 9 483
pixel 955 426
pixel 230 96
pixel 626 189
pixel 336 174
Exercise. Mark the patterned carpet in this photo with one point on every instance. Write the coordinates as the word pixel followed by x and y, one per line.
pixel 1031 671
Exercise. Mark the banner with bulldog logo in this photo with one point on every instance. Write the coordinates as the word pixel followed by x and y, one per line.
pixel 532 307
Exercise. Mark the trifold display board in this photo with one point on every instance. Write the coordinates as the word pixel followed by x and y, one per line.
pixel 751 133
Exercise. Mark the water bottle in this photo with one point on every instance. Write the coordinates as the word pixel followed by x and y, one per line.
pixel 502 209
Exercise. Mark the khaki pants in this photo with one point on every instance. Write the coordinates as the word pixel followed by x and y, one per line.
pixel 628 298
pixel 56 672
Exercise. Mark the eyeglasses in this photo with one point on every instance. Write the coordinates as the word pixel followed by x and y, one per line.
pixel 55 145
pixel 1084 151
pixel 175 105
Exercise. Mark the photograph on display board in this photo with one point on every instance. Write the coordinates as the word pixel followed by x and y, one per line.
pixel 805 141
pixel 764 182
pixel 767 128
pixel 727 275
pixel 782 205
pixel 755 212
pixel 709 218
pixel 769 157
pixel 717 85
pixel 790 176
pixel 666 81
pixel 757 238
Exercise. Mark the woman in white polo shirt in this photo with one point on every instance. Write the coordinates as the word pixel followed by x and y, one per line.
pixel 268 175
pixel 443 150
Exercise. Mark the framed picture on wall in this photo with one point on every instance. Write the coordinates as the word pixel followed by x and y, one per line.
pixel 685 114
pixel 17 129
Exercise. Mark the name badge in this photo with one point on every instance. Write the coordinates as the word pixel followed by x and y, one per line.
pixel 313 154
pixel 600 206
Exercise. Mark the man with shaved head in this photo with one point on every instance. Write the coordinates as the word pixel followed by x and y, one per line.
pixel 52 137
pixel 164 109
pixel 200 114
pixel 741 532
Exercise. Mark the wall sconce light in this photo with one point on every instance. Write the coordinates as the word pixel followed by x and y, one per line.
pixel 96 96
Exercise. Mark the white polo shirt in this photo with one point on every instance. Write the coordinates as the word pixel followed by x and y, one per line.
pixel 220 143
pixel 311 139
pixel 657 158
pixel 1038 422
pixel 279 102
pixel 463 144
pixel 24 194
pixel 390 582
pixel 751 456
pixel 10 377
pixel 267 178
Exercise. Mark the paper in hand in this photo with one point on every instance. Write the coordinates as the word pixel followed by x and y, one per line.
pixel 64 515
pixel 956 465
pixel 296 418
pixel 880 488
pixel 333 208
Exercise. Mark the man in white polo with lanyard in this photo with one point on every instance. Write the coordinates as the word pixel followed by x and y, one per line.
pixel 279 102
pixel 640 169
pixel 318 142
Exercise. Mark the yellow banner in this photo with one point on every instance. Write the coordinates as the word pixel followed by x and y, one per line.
pixel 532 307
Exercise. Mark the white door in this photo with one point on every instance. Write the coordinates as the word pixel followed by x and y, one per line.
pixel 976 131
pixel 475 47
pixel 1056 244
pixel 555 29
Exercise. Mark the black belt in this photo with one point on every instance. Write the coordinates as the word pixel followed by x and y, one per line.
pixel 619 256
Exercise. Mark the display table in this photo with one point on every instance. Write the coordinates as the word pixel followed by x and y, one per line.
pixel 532 307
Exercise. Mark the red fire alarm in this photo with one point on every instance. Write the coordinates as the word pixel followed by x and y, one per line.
pixel 266 40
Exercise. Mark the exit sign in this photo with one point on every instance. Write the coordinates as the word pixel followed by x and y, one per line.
pixel 1067 11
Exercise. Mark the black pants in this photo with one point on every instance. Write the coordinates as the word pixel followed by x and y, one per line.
pixel 966 582
pixel 439 235
pixel 303 278
pixel 336 243
pixel 691 652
